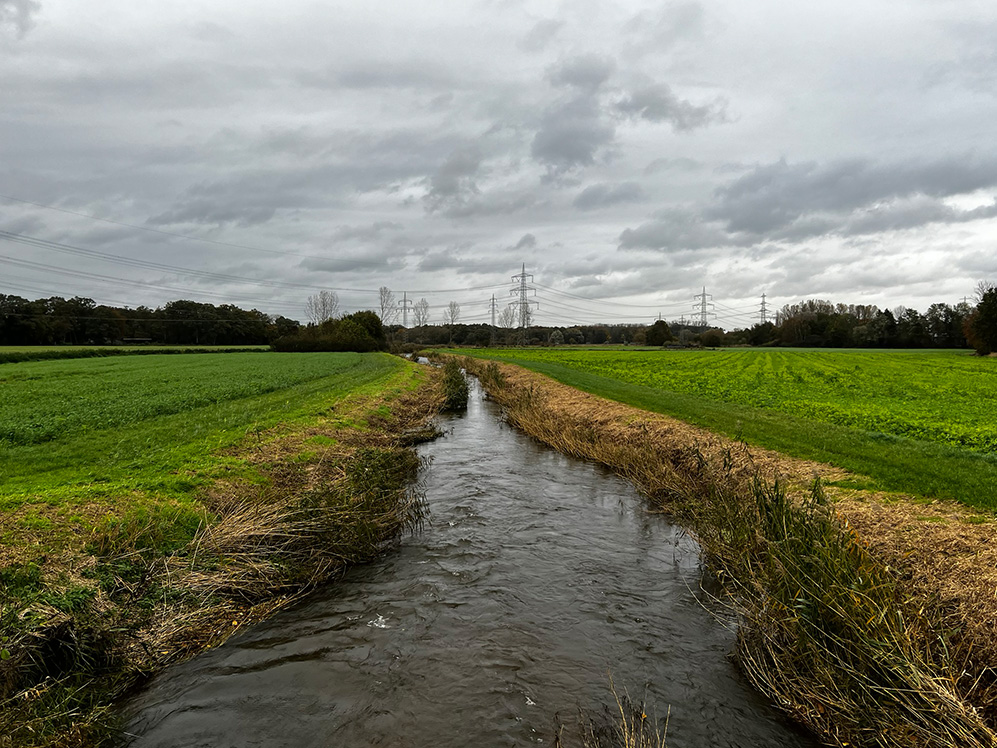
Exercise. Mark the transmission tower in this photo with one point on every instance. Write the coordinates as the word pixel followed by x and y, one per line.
pixel 763 312
pixel 493 307
pixel 405 303
pixel 523 302
pixel 703 307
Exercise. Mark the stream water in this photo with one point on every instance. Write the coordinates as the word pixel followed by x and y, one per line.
pixel 536 578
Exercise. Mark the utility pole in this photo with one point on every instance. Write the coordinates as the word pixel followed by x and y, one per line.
pixel 524 303
pixel 702 307
pixel 405 303
pixel 763 312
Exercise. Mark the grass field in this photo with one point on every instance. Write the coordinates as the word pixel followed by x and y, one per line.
pixel 915 421
pixel 149 505
pixel 20 353
pixel 83 435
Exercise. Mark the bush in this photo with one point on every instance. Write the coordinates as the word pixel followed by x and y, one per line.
pixel 455 389
pixel 359 332
pixel 658 334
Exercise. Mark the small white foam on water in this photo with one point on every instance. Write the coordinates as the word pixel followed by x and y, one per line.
pixel 379 623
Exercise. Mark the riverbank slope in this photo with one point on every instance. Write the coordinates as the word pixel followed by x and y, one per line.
pixel 866 616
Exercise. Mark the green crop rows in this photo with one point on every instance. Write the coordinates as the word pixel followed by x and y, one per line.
pixel 83 428
pixel 940 397
pixel 919 421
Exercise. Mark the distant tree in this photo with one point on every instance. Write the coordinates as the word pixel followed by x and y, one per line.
pixel 389 310
pixel 556 338
pixel 451 315
pixel 981 325
pixel 322 307
pixel 762 333
pixel 658 334
pixel 360 332
pixel 281 326
pixel 712 338
pixel 421 310
pixel 507 317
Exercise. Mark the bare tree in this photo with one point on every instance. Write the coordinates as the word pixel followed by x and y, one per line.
pixel 981 289
pixel 421 310
pixel 389 310
pixel 322 307
pixel 507 317
pixel 451 315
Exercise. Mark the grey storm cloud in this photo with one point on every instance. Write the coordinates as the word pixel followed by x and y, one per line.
pixel 795 203
pixel 773 197
pixel 370 232
pixel 18 15
pixel 586 72
pixel 675 230
pixel 658 103
pixel 493 203
pixel 571 134
pixel 541 35
pixel 432 137
pixel 662 27
pixel 415 74
pixel 606 195
pixel 528 241
pixel 453 183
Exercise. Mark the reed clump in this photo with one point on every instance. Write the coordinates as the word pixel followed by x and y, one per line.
pixel 455 389
pixel 628 723
pixel 826 629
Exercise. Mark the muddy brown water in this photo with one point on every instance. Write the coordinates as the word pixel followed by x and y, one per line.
pixel 535 579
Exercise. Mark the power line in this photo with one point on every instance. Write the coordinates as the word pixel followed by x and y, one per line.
pixel 608 301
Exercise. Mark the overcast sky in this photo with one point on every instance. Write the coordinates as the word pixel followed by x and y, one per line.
pixel 629 153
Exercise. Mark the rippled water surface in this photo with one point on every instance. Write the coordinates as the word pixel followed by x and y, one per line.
pixel 536 577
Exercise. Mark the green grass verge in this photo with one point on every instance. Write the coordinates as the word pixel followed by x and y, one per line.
pixel 892 462
pixel 130 433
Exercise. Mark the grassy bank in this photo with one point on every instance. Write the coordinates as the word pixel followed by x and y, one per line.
pixel 175 500
pixel 915 422
pixel 845 643
pixel 18 354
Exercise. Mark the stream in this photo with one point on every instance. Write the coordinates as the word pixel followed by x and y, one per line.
pixel 536 578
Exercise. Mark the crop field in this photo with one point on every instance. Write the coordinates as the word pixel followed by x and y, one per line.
pixel 77 433
pixel 923 422
pixel 19 353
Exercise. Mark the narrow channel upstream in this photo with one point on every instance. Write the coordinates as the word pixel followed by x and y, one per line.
pixel 536 577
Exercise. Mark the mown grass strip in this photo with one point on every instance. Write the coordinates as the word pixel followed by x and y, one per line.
pixel 891 462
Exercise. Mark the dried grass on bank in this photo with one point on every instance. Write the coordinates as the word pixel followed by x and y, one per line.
pixel 831 633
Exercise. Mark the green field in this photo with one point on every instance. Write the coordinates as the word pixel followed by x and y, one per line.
pixel 19 353
pixel 923 422
pixel 77 431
